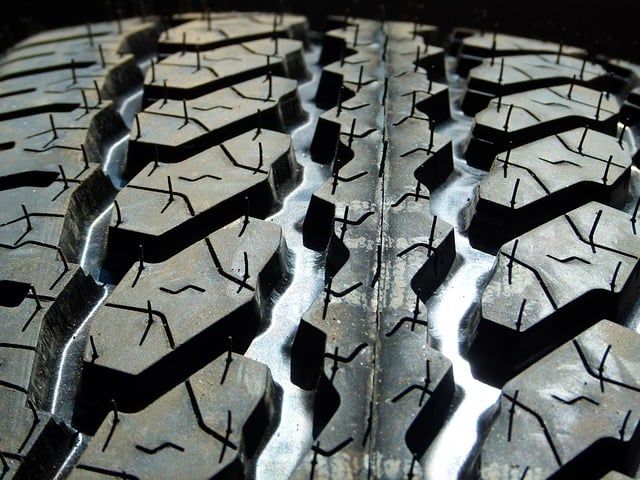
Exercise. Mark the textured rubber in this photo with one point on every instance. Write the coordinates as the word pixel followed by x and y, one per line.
pixel 59 115
pixel 385 253
pixel 177 203
pixel 564 271
pixel 527 308
pixel 572 414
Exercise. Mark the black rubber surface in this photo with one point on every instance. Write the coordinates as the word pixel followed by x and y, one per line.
pixel 191 264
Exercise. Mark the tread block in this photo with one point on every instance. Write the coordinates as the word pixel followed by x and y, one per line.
pixel 356 117
pixel 400 32
pixel 190 75
pixel 573 414
pixel 343 79
pixel 42 302
pixel 169 206
pixel 208 31
pixel 518 73
pixel 50 70
pixel 174 130
pixel 101 32
pixel 51 204
pixel 419 94
pixel 94 128
pixel 410 404
pixel 514 120
pixel 43 299
pixel 164 321
pixel 68 84
pixel 411 40
pixel 347 35
pixel 553 175
pixel 56 122
pixel 476 47
pixel 207 427
pixel 552 283
pixel 351 120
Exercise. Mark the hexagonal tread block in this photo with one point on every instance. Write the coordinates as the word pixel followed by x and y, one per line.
pixel 192 74
pixel 518 73
pixel 536 182
pixel 573 414
pixel 174 130
pixel 477 46
pixel 164 321
pixel 207 427
pixel 514 120
pixel 169 206
pixel 207 31
pixel 552 283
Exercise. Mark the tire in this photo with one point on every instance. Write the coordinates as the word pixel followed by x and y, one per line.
pixel 227 244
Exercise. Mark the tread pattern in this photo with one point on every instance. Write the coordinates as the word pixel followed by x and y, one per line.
pixel 207 31
pixel 566 262
pixel 215 416
pixel 472 47
pixel 475 46
pixel 194 271
pixel 59 118
pixel 527 308
pixel 369 409
pixel 189 74
pixel 168 206
pixel 164 321
pixel 518 73
pixel 42 300
pixel 194 265
pixel 59 93
pixel 540 430
pixel 514 120
pixel 532 184
pixel 174 130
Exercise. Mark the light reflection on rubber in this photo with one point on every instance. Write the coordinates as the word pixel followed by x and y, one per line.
pixel 449 309
pixel 631 136
pixel 58 403
pixel 67 465
pixel 127 109
pixel 70 361
pixel 89 240
pixel 453 305
pixel 106 166
pixel 292 437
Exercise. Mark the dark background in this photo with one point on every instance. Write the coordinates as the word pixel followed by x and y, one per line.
pixel 609 27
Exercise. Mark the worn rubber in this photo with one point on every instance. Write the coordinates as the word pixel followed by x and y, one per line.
pixel 191 263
